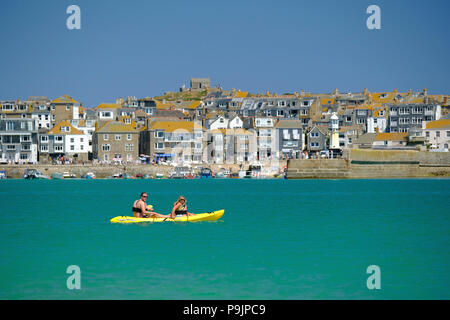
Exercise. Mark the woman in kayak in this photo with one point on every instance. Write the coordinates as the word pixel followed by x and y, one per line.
pixel 180 208
pixel 140 209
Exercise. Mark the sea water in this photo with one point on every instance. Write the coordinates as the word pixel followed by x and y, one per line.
pixel 278 239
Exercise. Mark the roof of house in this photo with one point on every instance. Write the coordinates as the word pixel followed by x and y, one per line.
pixel 64 99
pixel 392 136
pixel 367 138
pixel 108 106
pixel 171 126
pixel 116 126
pixel 65 123
pixel 439 124
pixel 288 124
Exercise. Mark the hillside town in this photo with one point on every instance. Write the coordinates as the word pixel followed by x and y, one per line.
pixel 203 124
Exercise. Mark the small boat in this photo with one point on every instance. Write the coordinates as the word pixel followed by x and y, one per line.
pixel 57 175
pixel 29 174
pixel 67 175
pixel 116 175
pixel 2 174
pixel 209 216
pixel 180 172
pixel 159 175
pixel 146 176
pixel 39 175
pixel 220 175
pixel 206 173
pixel 90 175
pixel 126 176
pixel 139 176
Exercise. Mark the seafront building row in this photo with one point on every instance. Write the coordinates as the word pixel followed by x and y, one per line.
pixel 210 125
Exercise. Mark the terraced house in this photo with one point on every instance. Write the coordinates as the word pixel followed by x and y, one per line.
pixel 63 140
pixel 437 134
pixel 179 141
pixel 64 108
pixel 116 141
pixel 402 117
pixel 18 140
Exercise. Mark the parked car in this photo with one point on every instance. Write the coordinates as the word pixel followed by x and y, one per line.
pixel 179 172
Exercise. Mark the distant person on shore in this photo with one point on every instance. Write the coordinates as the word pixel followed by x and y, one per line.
pixel 141 210
pixel 180 208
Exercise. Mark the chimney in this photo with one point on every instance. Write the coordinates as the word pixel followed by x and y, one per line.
pixel 425 92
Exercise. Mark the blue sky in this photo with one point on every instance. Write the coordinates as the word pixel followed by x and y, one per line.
pixel 144 48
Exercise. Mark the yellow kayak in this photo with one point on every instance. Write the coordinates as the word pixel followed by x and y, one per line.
pixel 209 216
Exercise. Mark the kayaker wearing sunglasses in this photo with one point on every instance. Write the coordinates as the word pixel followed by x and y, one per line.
pixel 180 208
pixel 140 209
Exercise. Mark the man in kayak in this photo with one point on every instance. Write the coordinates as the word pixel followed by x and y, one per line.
pixel 180 208
pixel 140 209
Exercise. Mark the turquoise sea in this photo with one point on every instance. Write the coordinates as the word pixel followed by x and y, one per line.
pixel 278 239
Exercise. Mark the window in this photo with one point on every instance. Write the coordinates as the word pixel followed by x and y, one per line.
pixel 427 134
pixel 129 147
pixel 129 136
pixel 280 113
pixel 81 147
pixel 44 148
pixel 65 129
pixel 72 147
pixel 159 134
pixel 58 148
pixel 72 140
pixel 11 147
pixel 448 134
pixel 105 137
pixel 81 139
pixel 53 117
pixel 23 156
pixel 159 145
pixel 106 157
pixel 25 138
pixel 58 139
pixel 10 125
pixel 106 147
pixel 438 134
pixel 67 107
pixel 118 137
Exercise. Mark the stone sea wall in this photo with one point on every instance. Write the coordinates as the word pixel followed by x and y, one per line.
pixel 101 171
pixel 361 164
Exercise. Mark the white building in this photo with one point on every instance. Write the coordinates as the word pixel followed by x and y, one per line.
pixel 64 140
pixel 437 134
